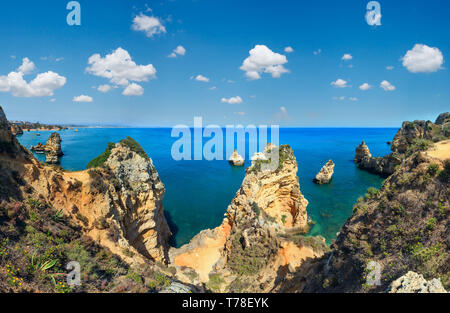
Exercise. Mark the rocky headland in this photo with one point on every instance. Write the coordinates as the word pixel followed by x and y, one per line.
pixel 402 227
pixel 411 137
pixel 260 239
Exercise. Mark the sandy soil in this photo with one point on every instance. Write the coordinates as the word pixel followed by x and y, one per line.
pixel 441 150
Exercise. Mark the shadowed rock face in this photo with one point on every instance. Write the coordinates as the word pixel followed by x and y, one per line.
pixel 8 142
pixel 325 174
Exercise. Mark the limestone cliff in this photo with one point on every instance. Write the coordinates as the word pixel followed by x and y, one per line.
pixel 258 240
pixel 118 204
pixel 402 227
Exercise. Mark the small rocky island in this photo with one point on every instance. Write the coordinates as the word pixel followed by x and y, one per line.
pixel 235 159
pixel 325 174
pixel 52 149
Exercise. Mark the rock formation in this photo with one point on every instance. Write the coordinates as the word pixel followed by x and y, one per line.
pixel 118 205
pixel 52 148
pixel 411 137
pixel 235 159
pixel 16 129
pixel 362 151
pixel 256 239
pixel 403 227
pixel 412 282
pixel 325 174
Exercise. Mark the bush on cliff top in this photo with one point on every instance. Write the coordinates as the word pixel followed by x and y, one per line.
pixel 134 146
pixel 101 159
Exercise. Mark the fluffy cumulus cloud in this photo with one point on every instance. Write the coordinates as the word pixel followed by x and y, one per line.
pixel 202 78
pixel 104 88
pixel 339 83
pixel 387 86
pixel 27 66
pixel 43 85
pixel 120 69
pixel 365 86
pixel 264 60
pixel 133 90
pixel 423 59
pixel 83 98
pixel 347 57
pixel 180 50
pixel 232 100
pixel 151 25
pixel 289 49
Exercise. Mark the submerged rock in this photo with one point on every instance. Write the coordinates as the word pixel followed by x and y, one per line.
pixel 325 174
pixel 412 282
pixel 235 159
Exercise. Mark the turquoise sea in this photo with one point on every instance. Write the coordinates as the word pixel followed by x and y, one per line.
pixel 198 192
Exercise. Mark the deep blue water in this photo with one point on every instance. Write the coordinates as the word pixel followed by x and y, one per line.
pixel 198 192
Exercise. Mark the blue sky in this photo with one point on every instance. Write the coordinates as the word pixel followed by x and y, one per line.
pixel 217 37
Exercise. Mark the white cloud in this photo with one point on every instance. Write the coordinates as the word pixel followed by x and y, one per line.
pixel 27 66
pixel 83 98
pixel 59 59
pixel 133 90
pixel 423 59
pixel 119 68
pixel 202 78
pixel 387 86
pixel 347 57
pixel 353 99
pixel 151 25
pixel 365 86
pixel 389 68
pixel 104 88
pixel 213 88
pixel 339 83
pixel 317 52
pixel 232 100
pixel 42 86
pixel 288 49
pixel 180 50
pixel 53 100
pixel 264 60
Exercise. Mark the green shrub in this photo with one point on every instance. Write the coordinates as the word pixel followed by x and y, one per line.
pixel 101 159
pixel 433 169
pixel 134 146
